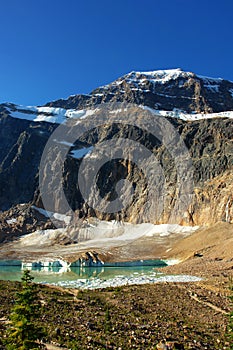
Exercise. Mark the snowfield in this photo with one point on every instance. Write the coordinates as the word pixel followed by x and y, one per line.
pixel 48 214
pixel 47 114
pixel 97 233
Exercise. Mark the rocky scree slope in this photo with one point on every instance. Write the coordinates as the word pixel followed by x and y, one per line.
pixel 25 130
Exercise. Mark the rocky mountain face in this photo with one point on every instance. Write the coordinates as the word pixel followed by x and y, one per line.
pixel 161 90
pixel 25 131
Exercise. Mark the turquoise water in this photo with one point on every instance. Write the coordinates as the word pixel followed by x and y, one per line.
pixel 58 274
pixel 84 277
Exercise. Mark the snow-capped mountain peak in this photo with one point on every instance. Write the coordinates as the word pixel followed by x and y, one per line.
pixel 160 76
pixel 157 76
pixel 168 92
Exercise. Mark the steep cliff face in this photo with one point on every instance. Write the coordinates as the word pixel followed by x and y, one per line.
pixel 213 200
pixel 210 147
pixel 187 101
pixel 21 147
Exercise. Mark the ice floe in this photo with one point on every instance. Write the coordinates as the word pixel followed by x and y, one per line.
pixel 153 277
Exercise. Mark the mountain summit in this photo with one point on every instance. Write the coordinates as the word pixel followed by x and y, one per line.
pixel 160 90
pixel 173 93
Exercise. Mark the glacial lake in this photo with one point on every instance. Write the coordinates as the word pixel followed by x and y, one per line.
pixel 84 277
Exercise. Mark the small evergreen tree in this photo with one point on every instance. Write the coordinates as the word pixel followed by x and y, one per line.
pixel 23 331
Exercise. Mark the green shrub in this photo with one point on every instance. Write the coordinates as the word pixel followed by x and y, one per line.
pixel 23 332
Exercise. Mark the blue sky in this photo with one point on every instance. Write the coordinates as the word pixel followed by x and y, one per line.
pixel 51 49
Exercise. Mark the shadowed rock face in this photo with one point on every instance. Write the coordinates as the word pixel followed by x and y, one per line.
pixel 21 147
pixel 209 142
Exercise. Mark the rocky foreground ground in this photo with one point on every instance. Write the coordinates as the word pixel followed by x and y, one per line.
pixel 182 316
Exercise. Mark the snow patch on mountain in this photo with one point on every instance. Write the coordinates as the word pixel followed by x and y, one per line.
pixel 179 114
pixel 63 142
pixel 209 79
pixel 49 214
pixel 80 153
pixel 140 79
pixel 11 221
pixel 212 87
pixel 47 114
pixel 163 76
